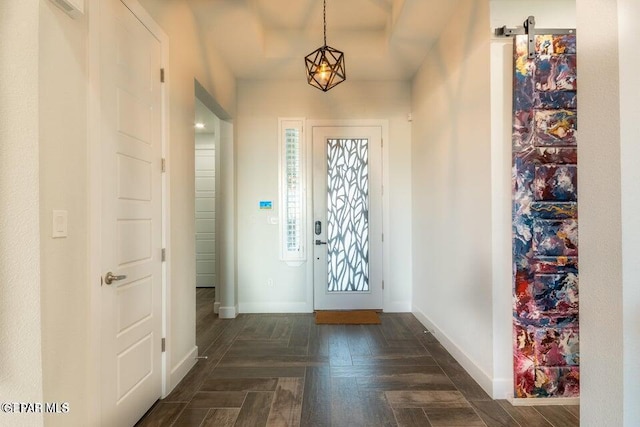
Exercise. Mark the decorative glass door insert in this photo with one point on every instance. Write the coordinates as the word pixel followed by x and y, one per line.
pixel 347 215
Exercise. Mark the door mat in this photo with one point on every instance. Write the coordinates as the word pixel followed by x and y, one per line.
pixel 355 317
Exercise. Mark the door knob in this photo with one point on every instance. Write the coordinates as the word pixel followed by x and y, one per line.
pixel 320 242
pixel 109 278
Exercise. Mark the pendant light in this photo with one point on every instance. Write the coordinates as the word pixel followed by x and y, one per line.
pixel 325 65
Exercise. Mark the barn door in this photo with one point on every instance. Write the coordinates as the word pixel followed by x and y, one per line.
pixel 545 217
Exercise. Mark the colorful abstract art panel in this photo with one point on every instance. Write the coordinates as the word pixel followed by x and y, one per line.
pixel 556 183
pixel 555 237
pixel 555 73
pixel 555 44
pixel 545 219
pixel 555 127
pixel 556 347
pixel 556 294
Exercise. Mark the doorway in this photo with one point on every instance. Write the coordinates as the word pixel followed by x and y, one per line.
pixel 207 137
pixel 347 217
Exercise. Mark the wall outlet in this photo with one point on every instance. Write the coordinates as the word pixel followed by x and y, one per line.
pixel 269 283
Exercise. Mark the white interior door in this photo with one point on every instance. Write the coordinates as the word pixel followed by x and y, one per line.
pixel 131 216
pixel 347 208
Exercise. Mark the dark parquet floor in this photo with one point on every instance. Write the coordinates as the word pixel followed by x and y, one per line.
pixel 284 370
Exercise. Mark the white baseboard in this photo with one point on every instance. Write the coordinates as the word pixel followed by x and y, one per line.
pixel 275 307
pixel 540 401
pixel 397 307
pixel 228 312
pixel 476 372
pixel 502 388
pixel 182 368
pixel 216 307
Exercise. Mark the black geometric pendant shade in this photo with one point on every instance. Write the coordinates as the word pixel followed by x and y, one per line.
pixel 325 65
pixel 325 68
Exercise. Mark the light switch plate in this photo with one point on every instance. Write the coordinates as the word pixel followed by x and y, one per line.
pixel 59 224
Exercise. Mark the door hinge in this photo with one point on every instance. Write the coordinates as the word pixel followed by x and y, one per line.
pixel 163 255
pixel 163 165
pixel 383 237
pixel 163 344
pixel 383 284
pixel 161 75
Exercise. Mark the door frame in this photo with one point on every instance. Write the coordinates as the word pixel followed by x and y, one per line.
pixel 383 124
pixel 94 205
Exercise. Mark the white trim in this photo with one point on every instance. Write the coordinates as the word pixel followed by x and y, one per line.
pixel 501 199
pixel 275 307
pixel 94 209
pixel 182 368
pixel 502 388
pixel 477 373
pixel 228 312
pixel 216 307
pixel 387 305
pixel 543 401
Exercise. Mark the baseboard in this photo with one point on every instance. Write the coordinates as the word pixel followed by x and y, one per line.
pixel 543 401
pixel 228 312
pixel 502 388
pixel 476 372
pixel 397 307
pixel 182 368
pixel 275 307
pixel 216 307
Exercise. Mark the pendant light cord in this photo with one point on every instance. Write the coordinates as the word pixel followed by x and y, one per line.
pixel 324 18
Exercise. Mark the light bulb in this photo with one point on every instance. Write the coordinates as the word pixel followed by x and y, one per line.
pixel 323 73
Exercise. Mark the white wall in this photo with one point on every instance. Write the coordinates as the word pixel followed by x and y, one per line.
pixel 226 224
pixel 20 327
pixel 451 170
pixel 609 208
pixel 629 63
pixel 189 59
pixel 205 175
pixel 260 103
pixel 548 14
pixel 45 309
pixel 63 185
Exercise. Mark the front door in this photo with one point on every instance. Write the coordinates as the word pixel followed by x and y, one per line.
pixel 131 293
pixel 347 215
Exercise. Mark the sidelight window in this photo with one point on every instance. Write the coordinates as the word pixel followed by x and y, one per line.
pixel 292 194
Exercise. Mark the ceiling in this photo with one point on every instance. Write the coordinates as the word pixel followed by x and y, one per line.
pixel 268 39
pixel 204 116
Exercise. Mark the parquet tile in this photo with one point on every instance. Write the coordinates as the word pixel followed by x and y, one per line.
pixel 282 370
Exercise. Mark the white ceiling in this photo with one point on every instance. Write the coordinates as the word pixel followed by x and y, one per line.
pixel 268 39
pixel 206 117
